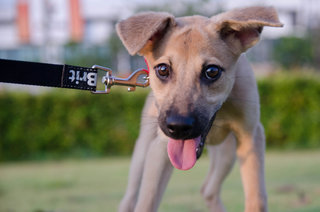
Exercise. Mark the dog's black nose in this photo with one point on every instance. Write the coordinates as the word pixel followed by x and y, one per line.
pixel 180 127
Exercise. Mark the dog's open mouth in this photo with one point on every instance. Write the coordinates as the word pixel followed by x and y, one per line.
pixel 183 154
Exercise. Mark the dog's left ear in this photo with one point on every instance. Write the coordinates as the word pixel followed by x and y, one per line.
pixel 241 28
pixel 141 31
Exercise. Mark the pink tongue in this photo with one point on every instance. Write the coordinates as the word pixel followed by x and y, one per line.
pixel 182 153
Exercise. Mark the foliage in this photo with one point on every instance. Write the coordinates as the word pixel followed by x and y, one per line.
pixel 290 110
pixel 57 124
pixel 70 123
pixel 83 55
pixel 291 52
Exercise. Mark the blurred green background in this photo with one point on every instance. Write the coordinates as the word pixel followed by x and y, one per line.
pixel 70 123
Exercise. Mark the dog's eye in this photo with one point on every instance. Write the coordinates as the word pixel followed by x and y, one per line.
pixel 162 70
pixel 212 72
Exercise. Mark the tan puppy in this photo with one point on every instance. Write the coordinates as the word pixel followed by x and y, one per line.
pixel 203 91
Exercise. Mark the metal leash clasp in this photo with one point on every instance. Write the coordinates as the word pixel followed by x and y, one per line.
pixel 138 78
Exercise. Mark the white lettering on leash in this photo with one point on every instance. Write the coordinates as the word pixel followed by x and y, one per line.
pixel 72 77
pixel 90 78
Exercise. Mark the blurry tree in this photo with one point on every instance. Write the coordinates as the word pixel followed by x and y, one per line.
pixel 80 54
pixel 117 51
pixel 315 38
pixel 293 52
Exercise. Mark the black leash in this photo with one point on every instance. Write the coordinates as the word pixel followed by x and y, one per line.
pixel 65 76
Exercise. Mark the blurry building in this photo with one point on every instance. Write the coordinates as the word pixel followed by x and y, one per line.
pixel 27 25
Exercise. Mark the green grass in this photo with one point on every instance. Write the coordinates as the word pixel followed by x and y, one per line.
pixel 293 182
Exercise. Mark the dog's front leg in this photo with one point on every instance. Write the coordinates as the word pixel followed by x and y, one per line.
pixel 129 200
pixel 251 157
pixel 148 132
pixel 157 172
pixel 222 157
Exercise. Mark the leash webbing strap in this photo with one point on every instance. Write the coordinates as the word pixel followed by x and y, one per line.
pixel 51 75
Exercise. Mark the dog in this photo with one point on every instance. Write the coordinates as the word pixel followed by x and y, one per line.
pixel 203 91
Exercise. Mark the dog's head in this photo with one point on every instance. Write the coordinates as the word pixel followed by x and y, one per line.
pixel 191 61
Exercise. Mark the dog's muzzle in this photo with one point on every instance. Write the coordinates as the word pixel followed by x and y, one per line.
pixel 187 135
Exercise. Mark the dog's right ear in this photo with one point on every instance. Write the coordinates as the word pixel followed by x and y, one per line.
pixel 139 32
